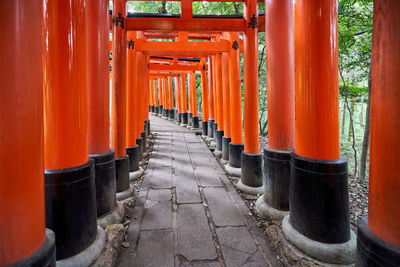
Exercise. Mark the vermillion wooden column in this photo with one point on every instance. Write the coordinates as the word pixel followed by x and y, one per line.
pixel 165 94
pixel 204 96
pixel 195 118
pixel 251 179
pixel 151 85
pixel 211 99
pixel 226 139
pixel 184 99
pixel 146 88
pixel 251 145
pixel 171 98
pixel 97 17
pixel 379 236
pixel 236 146
pixel 280 60
pixel 220 92
pixel 118 99
pixel 178 97
pixel 22 206
pixel 214 76
pixel 156 93
pixel 69 177
pixel 317 169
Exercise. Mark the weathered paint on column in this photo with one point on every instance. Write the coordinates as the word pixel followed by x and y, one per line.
pixel 251 134
pixel 235 90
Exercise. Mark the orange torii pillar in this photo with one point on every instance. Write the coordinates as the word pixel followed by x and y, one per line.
pixel 184 114
pixel 147 99
pixel 118 100
pixel 211 119
pixel 141 83
pixel 195 118
pixel 171 112
pixel 204 97
pixel 226 139
pixel 97 18
pixel 190 111
pixel 155 96
pixel 165 94
pixel 214 80
pixel 132 149
pixel 318 199
pixel 69 173
pixel 151 107
pixel 279 30
pixel 220 105
pixel 157 91
pixel 236 146
pixel 160 96
pixel 252 178
pixel 178 98
pixel 24 239
pixel 378 238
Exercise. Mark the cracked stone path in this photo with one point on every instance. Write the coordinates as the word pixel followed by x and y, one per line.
pixel 187 212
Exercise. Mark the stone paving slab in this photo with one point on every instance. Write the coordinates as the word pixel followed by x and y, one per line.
pixel 187 190
pixel 158 212
pixel 161 177
pixel 223 210
pixel 155 249
pixel 208 176
pixel 194 236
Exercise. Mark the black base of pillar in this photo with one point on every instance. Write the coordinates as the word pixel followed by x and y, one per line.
pixel 160 109
pixel 190 116
pixel 122 173
pixel 104 169
pixel 215 128
pixel 184 118
pixel 149 108
pixel 235 155
pixel 43 256
pixel 156 110
pixel 374 251
pixel 166 113
pixel 143 135
pixel 153 109
pixel 276 178
pixel 179 118
pixel 204 128
pixel 319 199
pixel 195 123
pixel 139 143
pixel 210 130
pixel 71 208
pixel 251 165
pixel 172 114
pixel 218 139
pixel 133 153
pixel 225 147
pixel 146 126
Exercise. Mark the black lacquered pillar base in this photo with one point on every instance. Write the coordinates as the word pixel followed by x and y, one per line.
pixel 133 153
pixel 195 123
pixel 156 110
pixel 172 114
pixel 122 173
pixel 210 130
pixel 152 109
pixel 277 178
pixel 146 128
pixel 45 255
pixel 166 113
pixel 235 155
pixel 215 128
pixel 139 143
pixel 148 132
pixel 149 108
pixel 143 135
pixel 71 208
pixel 104 167
pixel 160 109
pixel 190 116
pixel 204 128
pixel 184 119
pixel 372 250
pixel 218 139
pixel 251 170
pixel 225 147
pixel 179 117
pixel 319 199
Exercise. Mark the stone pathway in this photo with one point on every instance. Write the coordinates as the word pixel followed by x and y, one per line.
pixel 187 212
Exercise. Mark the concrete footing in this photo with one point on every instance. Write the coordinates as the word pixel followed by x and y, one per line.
pixel 232 171
pixel 342 253
pixel 136 174
pixel 125 194
pixel 113 217
pixel 266 211
pixel 89 255
pixel 250 190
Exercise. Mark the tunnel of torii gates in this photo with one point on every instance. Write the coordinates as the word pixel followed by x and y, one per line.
pixel 55 120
